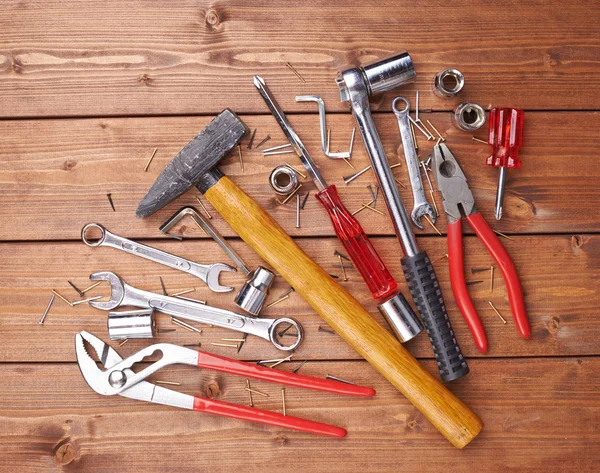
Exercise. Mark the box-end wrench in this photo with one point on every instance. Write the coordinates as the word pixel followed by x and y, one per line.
pixel 420 207
pixel 209 273
pixel 122 294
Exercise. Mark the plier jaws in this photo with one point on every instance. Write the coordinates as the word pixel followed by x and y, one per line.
pixel 453 185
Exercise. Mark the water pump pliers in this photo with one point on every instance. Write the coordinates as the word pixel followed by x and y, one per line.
pixel 119 378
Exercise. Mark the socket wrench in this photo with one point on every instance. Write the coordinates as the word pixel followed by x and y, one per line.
pixel 421 206
pixel 356 84
pixel 122 294
pixel 209 273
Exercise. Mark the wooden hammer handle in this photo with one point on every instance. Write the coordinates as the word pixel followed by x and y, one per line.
pixel 344 313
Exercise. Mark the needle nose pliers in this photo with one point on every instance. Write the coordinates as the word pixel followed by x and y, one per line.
pixel 453 186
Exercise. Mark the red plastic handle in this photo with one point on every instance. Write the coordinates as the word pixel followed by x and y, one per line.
pixel 261 416
pixel 357 244
pixel 509 272
pixel 248 370
pixel 459 286
pixel 505 135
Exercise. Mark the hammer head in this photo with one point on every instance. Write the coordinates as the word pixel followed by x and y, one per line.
pixel 198 157
pixel 377 76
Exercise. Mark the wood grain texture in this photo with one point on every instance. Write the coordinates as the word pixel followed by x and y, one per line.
pixel 59 171
pixel 117 57
pixel 344 313
pixel 557 273
pixel 540 415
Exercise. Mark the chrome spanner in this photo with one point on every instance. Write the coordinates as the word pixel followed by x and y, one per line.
pixel 421 206
pixel 209 273
pixel 122 294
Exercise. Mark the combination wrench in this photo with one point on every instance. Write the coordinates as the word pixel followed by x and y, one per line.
pixel 421 206
pixel 122 294
pixel 209 273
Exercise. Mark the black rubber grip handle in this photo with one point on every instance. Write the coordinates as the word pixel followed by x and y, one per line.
pixel 424 288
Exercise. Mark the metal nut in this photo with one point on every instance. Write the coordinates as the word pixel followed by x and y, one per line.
pixel 448 83
pixel 468 117
pixel 283 180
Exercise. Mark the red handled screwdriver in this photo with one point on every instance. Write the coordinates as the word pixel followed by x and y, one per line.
pixel 348 230
pixel 505 135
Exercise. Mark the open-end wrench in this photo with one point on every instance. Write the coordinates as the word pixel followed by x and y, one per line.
pixel 122 294
pixel 209 273
pixel 421 206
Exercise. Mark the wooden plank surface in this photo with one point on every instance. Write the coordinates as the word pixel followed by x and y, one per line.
pixel 533 422
pixel 562 305
pixel 116 57
pixel 59 172
pixel 88 89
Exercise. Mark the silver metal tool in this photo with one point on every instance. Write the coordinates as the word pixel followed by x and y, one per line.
pixel 356 84
pixel 131 324
pixel 468 117
pixel 291 135
pixel 421 206
pixel 122 295
pixel 323 127
pixel 283 180
pixel 254 292
pixel 209 273
pixel 448 83
pixel 115 376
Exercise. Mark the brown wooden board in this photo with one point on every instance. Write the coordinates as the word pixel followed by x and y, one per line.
pixel 59 171
pixel 539 415
pixel 557 282
pixel 133 58
pixel 89 89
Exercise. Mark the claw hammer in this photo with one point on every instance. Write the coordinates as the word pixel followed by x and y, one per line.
pixel 196 165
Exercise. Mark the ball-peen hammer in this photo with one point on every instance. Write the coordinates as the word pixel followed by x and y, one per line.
pixel 196 165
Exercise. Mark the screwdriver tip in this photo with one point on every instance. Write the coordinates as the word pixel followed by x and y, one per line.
pixel 499 213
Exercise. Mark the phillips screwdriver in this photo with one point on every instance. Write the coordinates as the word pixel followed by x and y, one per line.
pixel 350 233
pixel 505 135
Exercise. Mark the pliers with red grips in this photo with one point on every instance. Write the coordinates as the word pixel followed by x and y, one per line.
pixel 453 186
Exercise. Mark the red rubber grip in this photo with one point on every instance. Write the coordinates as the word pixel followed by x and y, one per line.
pixel 249 370
pixel 261 416
pixel 357 244
pixel 509 272
pixel 459 286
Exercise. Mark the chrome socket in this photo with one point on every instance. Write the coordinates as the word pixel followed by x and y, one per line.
pixel 448 83
pixel 402 319
pixel 254 292
pixel 131 324
pixel 468 117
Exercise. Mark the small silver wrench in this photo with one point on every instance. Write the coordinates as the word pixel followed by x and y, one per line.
pixel 209 273
pixel 122 294
pixel 421 206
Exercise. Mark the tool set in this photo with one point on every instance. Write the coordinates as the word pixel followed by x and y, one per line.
pixel 196 166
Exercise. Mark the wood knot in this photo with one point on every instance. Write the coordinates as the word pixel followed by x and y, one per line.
pixel 145 79
pixel 212 390
pixel 551 59
pixel 103 126
pixel 16 66
pixel 212 18
pixel 68 165
pixel 65 452
pixel 281 440
pixel 553 324
pixel 577 241
pixel 412 424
